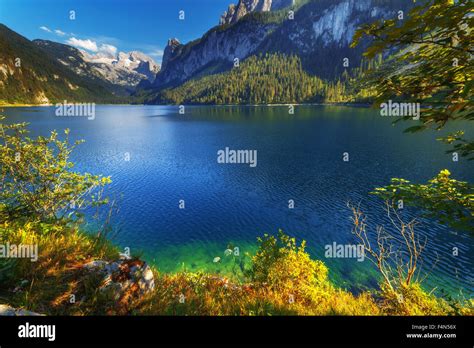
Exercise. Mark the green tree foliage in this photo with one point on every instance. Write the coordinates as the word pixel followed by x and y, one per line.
pixel 448 200
pixel 36 179
pixel 434 66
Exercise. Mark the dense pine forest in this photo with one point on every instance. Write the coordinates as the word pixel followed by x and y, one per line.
pixel 267 79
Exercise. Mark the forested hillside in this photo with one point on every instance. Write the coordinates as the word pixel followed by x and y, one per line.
pixel 264 79
pixel 30 75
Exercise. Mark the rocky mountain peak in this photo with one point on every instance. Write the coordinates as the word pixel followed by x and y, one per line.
pixel 170 49
pixel 133 59
pixel 243 7
pixel 125 69
pixel 173 42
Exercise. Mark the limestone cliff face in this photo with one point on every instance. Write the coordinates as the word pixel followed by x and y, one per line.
pixel 180 62
pixel 217 47
pixel 169 52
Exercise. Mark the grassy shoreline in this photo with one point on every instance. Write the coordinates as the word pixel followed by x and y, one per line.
pixel 46 286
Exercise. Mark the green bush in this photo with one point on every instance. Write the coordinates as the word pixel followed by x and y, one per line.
pixel 287 268
pixel 37 180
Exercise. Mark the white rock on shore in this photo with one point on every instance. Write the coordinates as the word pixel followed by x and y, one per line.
pixel 122 275
pixel 6 310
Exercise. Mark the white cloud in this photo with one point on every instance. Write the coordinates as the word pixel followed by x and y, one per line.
pixel 101 50
pixel 59 32
pixel 45 29
pixel 85 44
pixel 157 53
pixel 106 50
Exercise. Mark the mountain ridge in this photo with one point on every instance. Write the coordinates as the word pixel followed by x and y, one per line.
pixel 319 32
pixel 120 73
pixel 45 72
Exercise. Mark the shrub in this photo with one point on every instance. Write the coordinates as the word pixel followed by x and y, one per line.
pixel 413 300
pixel 36 179
pixel 287 268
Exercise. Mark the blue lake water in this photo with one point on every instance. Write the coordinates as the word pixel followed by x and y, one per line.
pixel 173 157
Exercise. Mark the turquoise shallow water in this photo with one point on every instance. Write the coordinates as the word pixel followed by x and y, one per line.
pixel 174 157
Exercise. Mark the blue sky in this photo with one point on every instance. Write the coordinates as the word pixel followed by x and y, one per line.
pixel 103 26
